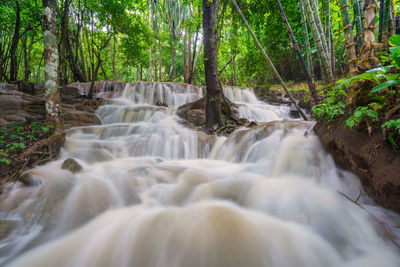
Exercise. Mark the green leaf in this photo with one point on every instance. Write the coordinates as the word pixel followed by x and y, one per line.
pixel 383 86
pixel 394 40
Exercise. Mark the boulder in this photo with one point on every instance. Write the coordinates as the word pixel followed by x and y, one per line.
pixel 71 165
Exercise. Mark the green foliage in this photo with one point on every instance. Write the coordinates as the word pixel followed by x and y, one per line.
pixel 331 106
pixel 393 126
pixel 361 113
pixel 15 138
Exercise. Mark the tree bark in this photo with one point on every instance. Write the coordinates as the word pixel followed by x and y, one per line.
pixel 386 23
pixel 14 45
pixel 368 60
pixel 213 102
pixel 348 33
pixel 358 23
pixel 53 103
pixel 159 62
pixel 64 35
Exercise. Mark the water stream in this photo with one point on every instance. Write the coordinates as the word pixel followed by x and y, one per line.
pixel 154 193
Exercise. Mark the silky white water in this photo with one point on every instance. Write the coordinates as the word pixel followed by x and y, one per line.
pixel 154 193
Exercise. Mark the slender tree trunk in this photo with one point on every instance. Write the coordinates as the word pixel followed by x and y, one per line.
pixel 64 36
pixel 213 102
pixel 368 60
pixel 137 73
pixel 314 4
pixel 332 53
pixel 306 41
pixel 112 53
pixel 380 31
pixel 27 70
pixel 189 65
pixel 171 70
pixel 159 62
pixel 185 78
pixel 386 23
pixel 277 75
pixel 358 23
pixel 327 16
pixel 149 75
pixel 14 45
pixel 348 33
pixel 53 103
pixel 234 48
pixel 319 40
pixel 311 85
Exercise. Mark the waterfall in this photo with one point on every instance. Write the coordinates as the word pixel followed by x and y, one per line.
pixel 154 193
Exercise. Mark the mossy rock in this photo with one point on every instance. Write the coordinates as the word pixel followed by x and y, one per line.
pixel 71 165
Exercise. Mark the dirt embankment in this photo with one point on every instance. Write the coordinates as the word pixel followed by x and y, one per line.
pixel 367 155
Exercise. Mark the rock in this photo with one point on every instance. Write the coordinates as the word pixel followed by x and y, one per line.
pixel 68 94
pixel 71 165
pixel 6 228
pixel 26 87
pixel 29 179
pixel 16 106
pixel 196 117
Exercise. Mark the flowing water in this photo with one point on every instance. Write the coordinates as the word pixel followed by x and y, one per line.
pixel 154 193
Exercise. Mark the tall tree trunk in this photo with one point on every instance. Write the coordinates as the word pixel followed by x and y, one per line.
pixel 171 70
pixel 358 23
pixel 314 4
pixel 234 48
pixel 159 62
pixel 348 33
pixel 327 19
pixel 14 45
pixel 189 64
pixel 26 53
pixel 53 103
pixel 185 78
pixel 368 60
pixel 112 54
pixel 319 40
pixel 213 102
pixel 149 75
pixel 306 41
pixel 380 30
pixel 277 75
pixel 386 23
pixel 64 35
pixel 311 85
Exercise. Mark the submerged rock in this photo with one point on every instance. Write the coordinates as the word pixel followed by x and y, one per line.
pixel 71 165
pixel 6 228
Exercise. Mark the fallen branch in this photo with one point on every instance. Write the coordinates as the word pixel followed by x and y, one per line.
pixel 381 223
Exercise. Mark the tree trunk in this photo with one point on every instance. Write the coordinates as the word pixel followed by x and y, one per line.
pixel 213 102
pixel 14 45
pixel 306 41
pixel 314 4
pixel 348 33
pixel 368 60
pixel 380 30
pixel 319 41
pixel 311 85
pixel 27 70
pixel 112 53
pixel 64 35
pixel 234 48
pixel 185 78
pixel 53 103
pixel 159 62
pixel 358 23
pixel 386 23
pixel 171 70
pixel 149 77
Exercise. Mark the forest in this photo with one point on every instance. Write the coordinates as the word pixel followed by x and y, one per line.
pixel 181 132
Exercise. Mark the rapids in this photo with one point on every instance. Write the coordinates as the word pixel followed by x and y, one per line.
pixel 154 193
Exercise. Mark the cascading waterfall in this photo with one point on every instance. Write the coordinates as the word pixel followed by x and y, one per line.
pixel 154 193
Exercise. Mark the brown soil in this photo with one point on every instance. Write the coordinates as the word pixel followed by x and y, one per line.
pixel 368 156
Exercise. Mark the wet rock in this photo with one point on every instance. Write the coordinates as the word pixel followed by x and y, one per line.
pixel 29 179
pixel 161 104
pixel 68 94
pixel 71 165
pixel 26 87
pixel 6 228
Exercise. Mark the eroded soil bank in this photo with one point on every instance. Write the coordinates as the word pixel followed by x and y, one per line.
pixel 368 156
